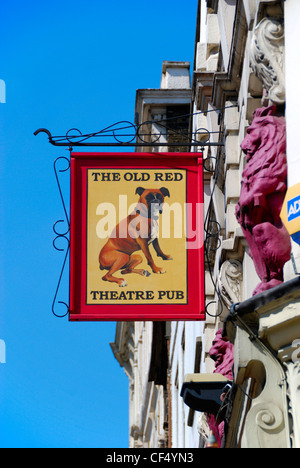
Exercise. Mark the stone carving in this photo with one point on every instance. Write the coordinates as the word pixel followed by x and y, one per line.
pixel 264 184
pixel 293 378
pixel 265 419
pixel 230 282
pixel 202 427
pixel 267 58
pixel 223 355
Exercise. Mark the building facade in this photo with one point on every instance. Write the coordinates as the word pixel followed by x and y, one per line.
pixel 242 105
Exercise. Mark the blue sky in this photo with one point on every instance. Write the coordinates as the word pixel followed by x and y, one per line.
pixel 65 64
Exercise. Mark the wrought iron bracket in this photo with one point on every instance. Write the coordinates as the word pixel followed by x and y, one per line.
pixel 133 136
pixel 122 134
pixel 61 236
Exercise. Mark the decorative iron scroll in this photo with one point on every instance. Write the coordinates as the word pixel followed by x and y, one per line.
pixel 127 134
pixel 61 236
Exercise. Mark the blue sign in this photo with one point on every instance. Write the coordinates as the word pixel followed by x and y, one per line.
pixel 293 208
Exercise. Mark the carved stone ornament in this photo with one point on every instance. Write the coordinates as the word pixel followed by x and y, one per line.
pixel 230 282
pixel 264 419
pixel 264 184
pixel 267 58
pixel 222 353
pixel 267 419
pixel 293 377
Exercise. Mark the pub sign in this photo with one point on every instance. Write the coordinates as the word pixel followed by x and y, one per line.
pixel 137 250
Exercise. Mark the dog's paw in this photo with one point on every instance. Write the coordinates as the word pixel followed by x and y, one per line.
pixel 123 284
pixel 168 257
pixel 146 273
pixel 159 271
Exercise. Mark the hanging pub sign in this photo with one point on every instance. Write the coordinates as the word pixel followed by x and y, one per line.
pixel 137 232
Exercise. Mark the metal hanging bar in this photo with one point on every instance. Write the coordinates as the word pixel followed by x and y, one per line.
pixel 70 141
pixel 128 134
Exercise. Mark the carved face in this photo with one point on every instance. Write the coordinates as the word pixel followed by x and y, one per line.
pixel 153 199
pixel 252 141
pixel 222 353
pixel 266 137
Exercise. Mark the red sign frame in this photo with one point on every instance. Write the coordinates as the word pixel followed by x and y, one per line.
pixel 89 170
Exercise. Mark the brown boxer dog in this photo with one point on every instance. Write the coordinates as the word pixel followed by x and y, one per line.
pixel 136 232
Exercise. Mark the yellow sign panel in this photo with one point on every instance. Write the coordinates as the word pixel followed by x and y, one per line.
pixel 290 213
pixel 113 197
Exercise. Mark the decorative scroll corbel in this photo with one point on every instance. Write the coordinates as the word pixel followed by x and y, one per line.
pixel 268 59
pixel 230 282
